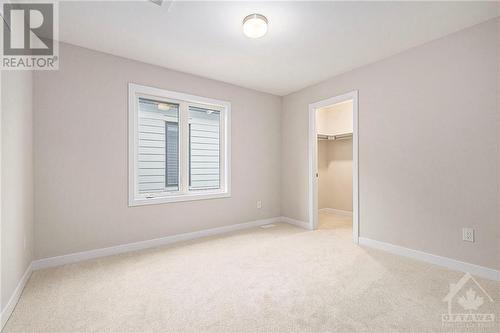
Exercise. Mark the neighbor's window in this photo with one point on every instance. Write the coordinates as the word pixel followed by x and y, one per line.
pixel 178 146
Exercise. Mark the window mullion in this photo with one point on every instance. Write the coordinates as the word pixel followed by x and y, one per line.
pixel 184 147
pixel 222 150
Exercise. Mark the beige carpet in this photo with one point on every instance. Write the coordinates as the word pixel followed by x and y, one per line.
pixel 281 279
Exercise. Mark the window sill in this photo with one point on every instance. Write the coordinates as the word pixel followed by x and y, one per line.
pixel 177 198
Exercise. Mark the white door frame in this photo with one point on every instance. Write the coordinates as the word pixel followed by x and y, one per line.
pixel 313 160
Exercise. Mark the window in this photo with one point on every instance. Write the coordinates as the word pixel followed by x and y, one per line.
pixel 158 147
pixel 178 146
pixel 204 148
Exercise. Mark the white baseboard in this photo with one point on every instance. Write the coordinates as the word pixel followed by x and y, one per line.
pixel 14 298
pixel 103 252
pixel 473 269
pixel 297 223
pixel 336 211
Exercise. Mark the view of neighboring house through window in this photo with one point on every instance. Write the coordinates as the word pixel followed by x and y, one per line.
pixel 204 149
pixel 178 146
pixel 158 156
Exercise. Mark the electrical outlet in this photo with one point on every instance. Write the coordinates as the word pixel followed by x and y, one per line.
pixel 468 234
pixel 259 204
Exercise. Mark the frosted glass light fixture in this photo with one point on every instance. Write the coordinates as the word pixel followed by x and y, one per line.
pixel 255 25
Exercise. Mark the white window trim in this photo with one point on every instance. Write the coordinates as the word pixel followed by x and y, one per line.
pixel 136 199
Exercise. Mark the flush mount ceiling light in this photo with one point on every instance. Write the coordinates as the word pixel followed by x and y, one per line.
pixel 255 25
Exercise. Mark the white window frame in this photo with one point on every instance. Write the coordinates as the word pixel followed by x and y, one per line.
pixel 135 91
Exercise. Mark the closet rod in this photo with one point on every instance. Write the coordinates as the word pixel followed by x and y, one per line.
pixel 335 137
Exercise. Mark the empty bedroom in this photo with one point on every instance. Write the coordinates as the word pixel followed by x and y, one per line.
pixel 249 166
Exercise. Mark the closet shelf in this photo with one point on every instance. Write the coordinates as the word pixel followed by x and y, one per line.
pixel 342 136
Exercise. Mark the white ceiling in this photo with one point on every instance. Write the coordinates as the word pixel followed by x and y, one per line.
pixel 307 42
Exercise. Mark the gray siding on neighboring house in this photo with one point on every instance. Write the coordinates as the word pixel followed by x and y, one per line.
pixel 204 143
pixel 158 162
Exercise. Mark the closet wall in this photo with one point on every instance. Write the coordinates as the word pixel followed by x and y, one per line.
pixel 336 119
pixel 335 158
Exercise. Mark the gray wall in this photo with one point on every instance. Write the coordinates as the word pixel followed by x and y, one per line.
pixel 17 179
pixel 81 156
pixel 428 146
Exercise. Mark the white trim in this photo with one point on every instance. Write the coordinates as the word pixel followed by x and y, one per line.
pixel 313 160
pixel 134 198
pixel 14 298
pixel 297 223
pixel 1 208
pixel 108 251
pixel 205 195
pixel 335 211
pixel 473 269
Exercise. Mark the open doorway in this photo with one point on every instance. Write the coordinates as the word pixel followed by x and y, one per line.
pixel 333 157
